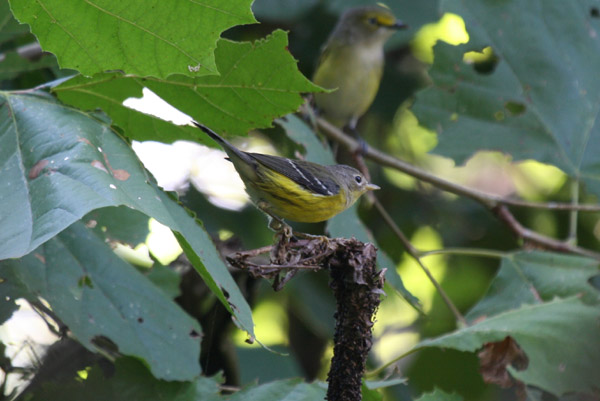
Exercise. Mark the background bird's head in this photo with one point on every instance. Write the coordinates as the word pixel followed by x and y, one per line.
pixel 374 24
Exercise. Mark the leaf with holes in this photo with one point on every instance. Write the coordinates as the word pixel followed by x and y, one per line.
pixel 58 164
pixel 540 99
pixel 146 38
pixel 96 294
pixel 558 361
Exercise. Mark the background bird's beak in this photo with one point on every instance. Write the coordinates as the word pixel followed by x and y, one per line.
pixel 372 187
pixel 398 25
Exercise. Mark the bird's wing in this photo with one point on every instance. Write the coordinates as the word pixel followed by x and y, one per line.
pixel 301 172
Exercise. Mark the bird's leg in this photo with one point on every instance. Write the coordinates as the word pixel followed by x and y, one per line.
pixel 275 223
pixel 283 229
pixel 361 149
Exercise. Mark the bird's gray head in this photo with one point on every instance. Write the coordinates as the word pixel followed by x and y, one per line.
pixel 373 24
pixel 352 181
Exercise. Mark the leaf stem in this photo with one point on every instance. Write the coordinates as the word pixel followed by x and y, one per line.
pixel 488 253
pixel 572 238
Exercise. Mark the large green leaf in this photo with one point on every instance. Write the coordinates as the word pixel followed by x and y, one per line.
pixel 142 37
pixel 95 293
pixel 560 339
pixel 542 99
pixel 58 164
pixel 130 381
pixel 259 81
pixel 534 277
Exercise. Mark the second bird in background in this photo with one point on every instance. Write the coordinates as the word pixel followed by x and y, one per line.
pixel 352 62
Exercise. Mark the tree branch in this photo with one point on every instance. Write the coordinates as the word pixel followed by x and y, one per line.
pixel 494 203
pixel 488 200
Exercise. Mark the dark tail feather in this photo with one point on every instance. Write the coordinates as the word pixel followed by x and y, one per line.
pixel 210 133
pixel 227 147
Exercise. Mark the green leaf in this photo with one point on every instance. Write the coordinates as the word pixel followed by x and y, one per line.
pixel 14 65
pixel 131 381
pixel 119 224
pixel 299 132
pixel 166 279
pixel 282 390
pixel 439 395
pixel 59 164
pixel 559 362
pixel 259 81
pixel 542 99
pixel 10 28
pixel 146 38
pixel 534 277
pixel 95 294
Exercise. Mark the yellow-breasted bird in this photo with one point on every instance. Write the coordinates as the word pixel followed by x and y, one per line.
pixel 352 62
pixel 296 190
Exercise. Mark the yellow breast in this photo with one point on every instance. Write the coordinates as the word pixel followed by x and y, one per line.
pixel 356 73
pixel 293 202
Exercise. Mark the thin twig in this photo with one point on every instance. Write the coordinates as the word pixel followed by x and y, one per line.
pixel 412 251
pixel 531 236
pixel 572 237
pixel 492 202
pixel 487 253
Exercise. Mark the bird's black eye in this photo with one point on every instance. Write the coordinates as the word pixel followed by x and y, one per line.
pixel 358 179
pixel 373 21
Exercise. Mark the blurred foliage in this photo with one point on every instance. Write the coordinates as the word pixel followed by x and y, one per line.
pixel 468 76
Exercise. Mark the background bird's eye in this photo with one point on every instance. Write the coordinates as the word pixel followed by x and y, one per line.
pixel 373 21
pixel 358 179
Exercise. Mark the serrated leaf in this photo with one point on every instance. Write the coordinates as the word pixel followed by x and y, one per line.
pixel 95 293
pixel 541 101
pixel 259 81
pixel 142 37
pixel 58 164
pixel 558 362
pixel 534 277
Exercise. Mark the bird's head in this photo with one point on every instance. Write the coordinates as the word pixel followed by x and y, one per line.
pixel 369 24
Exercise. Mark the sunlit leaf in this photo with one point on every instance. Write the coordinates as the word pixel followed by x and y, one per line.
pixel 143 37
pixel 540 101
pixel 247 95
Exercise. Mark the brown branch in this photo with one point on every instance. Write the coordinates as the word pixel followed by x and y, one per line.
pixel 488 200
pixel 356 284
pixel 494 203
pixel 412 251
pixel 536 238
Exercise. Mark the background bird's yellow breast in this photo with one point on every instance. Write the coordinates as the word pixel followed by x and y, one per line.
pixel 356 72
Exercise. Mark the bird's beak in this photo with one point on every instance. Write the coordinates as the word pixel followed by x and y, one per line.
pixel 372 187
pixel 398 25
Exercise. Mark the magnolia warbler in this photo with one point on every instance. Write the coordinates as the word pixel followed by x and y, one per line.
pixel 352 62
pixel 296 190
